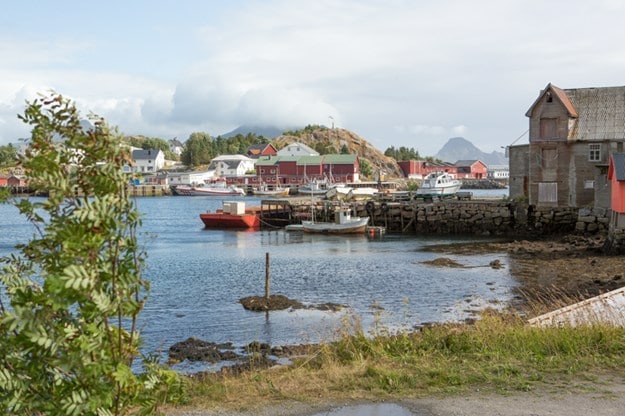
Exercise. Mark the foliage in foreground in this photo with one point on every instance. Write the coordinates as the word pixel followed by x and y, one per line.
pixel 68 333
pixel 499 352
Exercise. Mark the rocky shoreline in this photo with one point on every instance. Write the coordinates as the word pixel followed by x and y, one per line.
pixel 550 272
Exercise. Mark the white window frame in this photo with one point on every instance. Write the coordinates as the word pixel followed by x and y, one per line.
pixel 594 152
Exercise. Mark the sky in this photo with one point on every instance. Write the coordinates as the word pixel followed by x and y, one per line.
pixel 410 73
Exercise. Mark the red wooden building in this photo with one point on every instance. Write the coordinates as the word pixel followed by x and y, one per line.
pixel 616 177
pixel 471 169
pixel 262 149
pixel 418 169
pixel 295 170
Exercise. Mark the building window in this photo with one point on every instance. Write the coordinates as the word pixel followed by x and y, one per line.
pixel 589 184
pixel 594 153
pixel 548 128
pixel 547 192
pixel 262 171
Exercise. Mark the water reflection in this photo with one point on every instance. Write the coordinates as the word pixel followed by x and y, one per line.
pixel 198 276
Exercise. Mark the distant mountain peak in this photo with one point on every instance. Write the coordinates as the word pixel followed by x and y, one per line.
pixel 459 148
pixel 269 132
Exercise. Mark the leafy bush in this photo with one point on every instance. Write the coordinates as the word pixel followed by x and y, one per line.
pixel 68 335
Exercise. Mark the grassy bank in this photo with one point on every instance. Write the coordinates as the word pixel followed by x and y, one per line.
pixel 499 352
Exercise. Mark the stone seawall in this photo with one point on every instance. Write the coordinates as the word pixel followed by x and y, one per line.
pixel 483 217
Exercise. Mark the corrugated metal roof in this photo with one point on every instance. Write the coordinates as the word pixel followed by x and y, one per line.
pixel 309 160
pixel 601 113
pixel 339 159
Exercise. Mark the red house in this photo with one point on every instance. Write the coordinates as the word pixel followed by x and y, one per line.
pixel 4 180
pixel 471 169
pixel 616 177
pixel 261 149
pixel 295 170
pixel 418 169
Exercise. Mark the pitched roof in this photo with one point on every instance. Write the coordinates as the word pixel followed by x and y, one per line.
pixel 299 148
pixel 466 163
pixel 309 160
pixel 560 95
pixel 617 166
pixel 598 113
pixel 338 159
pixel 142 154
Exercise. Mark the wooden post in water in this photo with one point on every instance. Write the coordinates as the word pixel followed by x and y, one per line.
pixel 267 275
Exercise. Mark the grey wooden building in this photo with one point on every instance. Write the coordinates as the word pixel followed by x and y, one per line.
pixel 572 133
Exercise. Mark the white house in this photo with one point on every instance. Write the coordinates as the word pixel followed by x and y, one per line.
pixel 297 149
pixel 190 178
pixel 150 160
pixel 231 165
pixel 498 172
pixel 175 146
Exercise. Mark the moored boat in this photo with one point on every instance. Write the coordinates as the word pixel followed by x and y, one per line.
pixel 213 188
pixel 314 187
pixel 233 215
pixel 343 223
pixel 439 184
pixel 264 190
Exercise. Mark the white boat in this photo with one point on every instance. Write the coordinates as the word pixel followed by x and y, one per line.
pixel 339 192
pixel 213 188
pixel 343 223
pixel 313 188
pixel 344 192
pixel 438 184
pixel 264 190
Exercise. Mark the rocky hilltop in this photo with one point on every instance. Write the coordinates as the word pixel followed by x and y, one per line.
pixel 333 140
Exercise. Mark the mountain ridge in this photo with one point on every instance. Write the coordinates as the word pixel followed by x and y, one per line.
pixel 459 148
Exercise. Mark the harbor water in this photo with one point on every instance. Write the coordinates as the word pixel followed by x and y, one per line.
pixel 198 276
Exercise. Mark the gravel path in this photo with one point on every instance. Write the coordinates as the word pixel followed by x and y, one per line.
pixel 606 400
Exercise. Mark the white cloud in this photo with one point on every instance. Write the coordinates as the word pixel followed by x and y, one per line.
pixel 433 69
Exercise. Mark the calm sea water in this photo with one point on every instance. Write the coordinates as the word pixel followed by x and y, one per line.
pixel 199 275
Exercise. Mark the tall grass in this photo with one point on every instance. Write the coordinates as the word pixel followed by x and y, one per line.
pixel 499 352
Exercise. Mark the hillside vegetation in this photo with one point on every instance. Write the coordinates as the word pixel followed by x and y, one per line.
pixel 337 140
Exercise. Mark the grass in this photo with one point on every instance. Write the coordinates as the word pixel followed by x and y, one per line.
pixel 497 353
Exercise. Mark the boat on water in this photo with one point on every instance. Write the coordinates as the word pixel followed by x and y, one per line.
pixel 264 190
pixel 343 223
pixel 213 188
pixel 314 188
pixel 439 184
pixel 232 215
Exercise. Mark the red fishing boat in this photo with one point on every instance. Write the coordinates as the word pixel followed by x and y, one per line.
pixel 233 215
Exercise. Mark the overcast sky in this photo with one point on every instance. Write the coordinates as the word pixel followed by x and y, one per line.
pixel 402 73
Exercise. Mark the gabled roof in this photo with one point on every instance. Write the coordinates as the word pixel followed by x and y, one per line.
pixel 560 95
pixel 142 154
pixel 267 161
pixel 258 148
pixel 309 160
pixel 466 163
pixel 340 159
pixel 599 113
pixel 617 167
pixel 300 148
